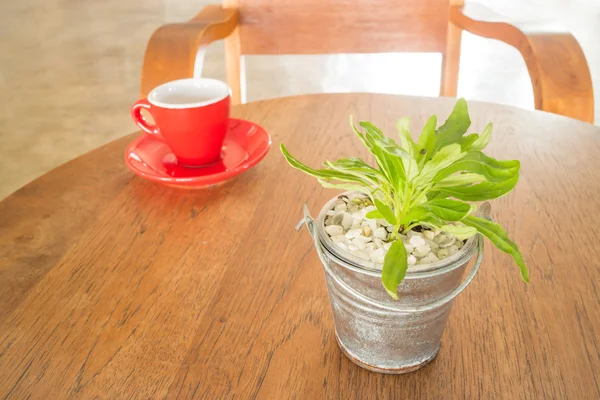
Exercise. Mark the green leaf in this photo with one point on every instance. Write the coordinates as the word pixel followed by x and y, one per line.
pixel 477 162
pixel 391 169
pixel 372 129
pixel 405 138
pixel 498 236
pixel 460 231
pixel 483 139
pixel 481 191
pixel 391 147
pixel 346 187
pixel 365 177
pixel 321 173
pixel 374 214
pixel 426 141
pixel 455 126
pixel 511 165
pixel 421 216
pixel 359 134
pixel 431 221
pixel 435 195
pixel 444 158
pixel 386 211
pixel 395 265
pixel 408 163
pixel 359 165
pixel 447 209
pixel 460 179
pixel 467 141
pixel 417 213
pixel 392 163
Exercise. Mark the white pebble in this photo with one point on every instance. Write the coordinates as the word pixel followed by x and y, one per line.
pixel 334 230
pixel 372 223
pixel 421 251
pixel 432 258
pixel 361 238
pixel 347 221
pixel 434 246
pixel 337 218
pixel 359 244
pixel 366 231
pixel 357 215
pixel 380 233
pixel 378 256
pixel 410 234
pixel 338 238
pixel 416 240
pixel 341 207
pixel 352 233
pixel 443 253
pixel 445 241
pixel 453 249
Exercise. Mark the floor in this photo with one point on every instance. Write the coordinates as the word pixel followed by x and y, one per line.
pixel 69 70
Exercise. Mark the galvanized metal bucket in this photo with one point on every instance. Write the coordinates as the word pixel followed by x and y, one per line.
pixel 372 329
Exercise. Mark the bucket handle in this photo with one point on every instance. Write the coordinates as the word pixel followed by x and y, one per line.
pixel 312 228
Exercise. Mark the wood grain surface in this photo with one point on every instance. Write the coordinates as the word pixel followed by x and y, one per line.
pixel 339 26
pixel 115 287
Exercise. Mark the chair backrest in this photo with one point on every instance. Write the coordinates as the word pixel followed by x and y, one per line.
pixel 335 26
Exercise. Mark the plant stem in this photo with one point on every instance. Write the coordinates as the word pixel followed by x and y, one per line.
pixel 409 227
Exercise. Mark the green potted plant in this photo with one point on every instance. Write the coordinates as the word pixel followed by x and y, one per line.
pixel 396 244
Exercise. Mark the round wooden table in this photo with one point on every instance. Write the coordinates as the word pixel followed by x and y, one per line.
pixel 115 287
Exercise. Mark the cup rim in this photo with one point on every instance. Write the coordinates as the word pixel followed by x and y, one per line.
pixel 181 82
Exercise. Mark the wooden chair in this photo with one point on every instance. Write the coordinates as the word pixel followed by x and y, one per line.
pixel 559 72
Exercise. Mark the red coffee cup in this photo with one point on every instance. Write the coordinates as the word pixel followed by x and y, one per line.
pixel 191 117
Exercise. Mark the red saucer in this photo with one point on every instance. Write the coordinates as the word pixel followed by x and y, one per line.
pixel 246 143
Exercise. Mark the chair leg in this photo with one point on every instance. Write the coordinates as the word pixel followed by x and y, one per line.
pixel 451 61
pixel 233 59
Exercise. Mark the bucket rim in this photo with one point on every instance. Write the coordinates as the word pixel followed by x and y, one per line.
pixel 371 268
